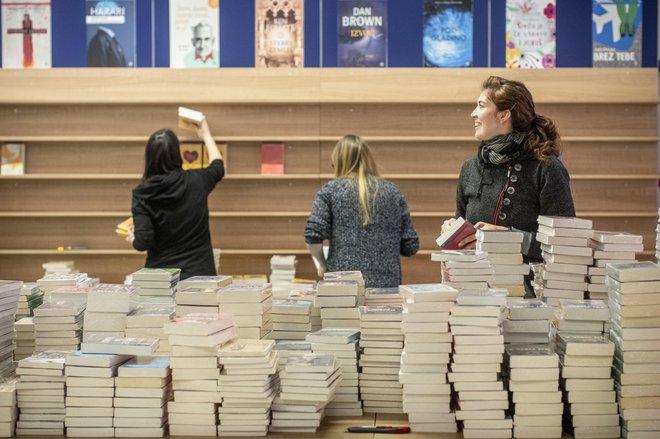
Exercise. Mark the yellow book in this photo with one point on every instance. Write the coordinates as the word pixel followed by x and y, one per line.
pixel 190 119
pixel 122 228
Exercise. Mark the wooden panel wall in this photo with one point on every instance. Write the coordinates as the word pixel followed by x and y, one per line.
pixel 85 153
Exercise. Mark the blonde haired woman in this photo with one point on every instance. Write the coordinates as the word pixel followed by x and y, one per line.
pixel 364 216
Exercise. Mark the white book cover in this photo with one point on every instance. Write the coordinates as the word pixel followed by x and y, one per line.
pixel 194 34
pixel 26 34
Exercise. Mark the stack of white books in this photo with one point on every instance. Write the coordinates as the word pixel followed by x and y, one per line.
pixel 307 384
pixel 250 305
pixel 465 269
pixel 8 407
pixel 148 320
pixel 24 338
pixel 349 275
pixel 58 325
pixel 157 281
pixel 292 319
pixel 504 248
pixel 536 402
pixel 40 394
pixel 51 282
pixel 383 296
pixel 567 256
pixel 610 248
pixel 9 293
pixel 195 340
pixel 205 282
pixel 287 348
pixel 70 294
pixel 425 357
pixel 90 387
pixel 634 291
pixel 142 389
pixel 199 294
pixel 338 300
pixel 306 293
pixel 591 409
pixel 528 321
pixel 30 298
pixel 342 344
pixel 476 367
pixel 248 384
pixel 282 272
pixel 583 317
pixel 380 389
pixel 59 267
pixel 107 307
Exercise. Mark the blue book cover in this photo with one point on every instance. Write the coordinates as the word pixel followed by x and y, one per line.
pixel 110 33
pixel 362 33
pixel 617 33
pixel 448 36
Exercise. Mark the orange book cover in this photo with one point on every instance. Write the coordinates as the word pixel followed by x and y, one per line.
pixel 13 159
pixel 195 155
pixel 272 158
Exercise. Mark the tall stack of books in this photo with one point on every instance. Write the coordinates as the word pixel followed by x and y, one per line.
pixel 59 267
pixel 476 367
pixel 465 269
pixel 610 248
pixel 504 248
pixel 51 282
pixel 199 294
pixel 250 305
pixel 566 255
pixel 383 296
pixel 287 348
pixel 282 272
pixel 307 384
pixel 337 300
pixel 380 389
pixel 291 319
pixel 528 321
pixel 634 291
pixel 58 325
pixel 107 307
pixel 40 394
pixel 30 298
pixel 195 339
pixel 90 387
pixel 535 395
pixel 342 344
pixel 349 275
pixel 424 360
pixel 590 410
pixel 142 389
pixel 160 282
pixel 9 293
pixel 248 384
pixel 148 320
pixel 24 338
pixel 583 317
pixel 8 407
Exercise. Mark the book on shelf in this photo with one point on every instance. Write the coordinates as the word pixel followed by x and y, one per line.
pixel 26 30
pixel 122 229
pixel 272 158
pixel 13 159
pixel 111 33
pixel 362 33
pixel 190 119
pixel 458 231
pixel 194 155
pixel 447 33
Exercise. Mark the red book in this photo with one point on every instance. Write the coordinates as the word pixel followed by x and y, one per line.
pixel 458 231
pixel 272 158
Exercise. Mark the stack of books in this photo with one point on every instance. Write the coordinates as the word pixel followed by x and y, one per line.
pixel 58 325
pixel 465 269
pixel 591 409
pixel 30 298
pixel 305 293
pixel 535 396
pixel 383 296
pixel 610 248
pixel 476 367
pixel 307 384
pixel 349 275
pixel 248 384
pixel 90 388
pixel 142 389
pixel 40 394
pixel 59 267
pixel 148 320
pixel 9 294
pixel 424 360
pixel 51 282
pixel 25 343
pixel 8 407
pixel 583 317
pixel 528 321
pixel 634 291
pixel 107 307
pixel 292 319
pixel 195 340
pixel 504 248
pixel 282 272
pixel 161 282
pixel 199 294
pixel 250 305
pixel 564 242
pixel 287 348
pixel 380 389
pixel 342 344
pixel 337 300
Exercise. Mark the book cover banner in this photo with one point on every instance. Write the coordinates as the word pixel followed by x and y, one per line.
pixel 194 33
pixel 530 34
pixel 110 33
pixel 362 33
pixel 26 34
pixel 448 33
pixel 617 33
pixel 279 33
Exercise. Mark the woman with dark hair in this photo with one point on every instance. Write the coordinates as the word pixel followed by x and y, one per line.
pixel 516 175
pixel 170 206
pixel 365 218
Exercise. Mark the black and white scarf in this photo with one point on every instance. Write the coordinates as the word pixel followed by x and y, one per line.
pixel 502 148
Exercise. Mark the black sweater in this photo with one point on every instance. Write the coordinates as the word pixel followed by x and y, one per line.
pixel 171 217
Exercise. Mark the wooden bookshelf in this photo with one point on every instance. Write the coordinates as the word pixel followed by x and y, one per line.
pixel 85 153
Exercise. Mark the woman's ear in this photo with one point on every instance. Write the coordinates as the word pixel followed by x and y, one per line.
pixel 504 116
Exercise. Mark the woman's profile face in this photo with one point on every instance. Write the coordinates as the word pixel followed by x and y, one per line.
pixel 487 124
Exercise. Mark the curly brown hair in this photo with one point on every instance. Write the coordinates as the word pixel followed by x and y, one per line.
pixel 542 136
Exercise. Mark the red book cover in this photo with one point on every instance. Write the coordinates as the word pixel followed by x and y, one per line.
pixel 458 231
pixel 272 158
